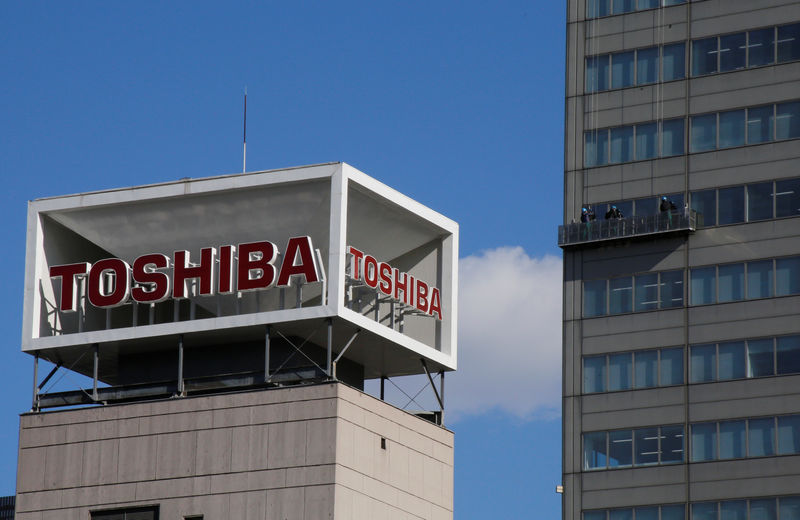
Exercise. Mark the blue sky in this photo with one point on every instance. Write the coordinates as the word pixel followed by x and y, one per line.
pixel 457 104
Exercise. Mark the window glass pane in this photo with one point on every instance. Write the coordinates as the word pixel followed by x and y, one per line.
pixel 759 124
pixel 703 285
pixel 594 374
pixel 732 363
pixel 704 511
pixel 704 56
pixel 763 509
pixel 761 47
pixel 788 434
pixel 622 69
pixel 673 2
pixel 731 283
pixel 789 355
pixel 672 289
pixel 647 513
pixel 594 515
pixel 759 201
pixel 594 450
pixel 671 444
pixel 589 149
pixel 594 298
pixel 731 439
pixel 646 445
pixel 732 52
pixel 621 144
pixel 671 366
pixel 705 204
pixel 703 363
pixel 619 372
pixel 620 514
pixel 731 128
pixel 760 361
pixel 623 6
pixel 646 367
pixel 620 448
pixel 647 66
pixel 788 120
pixel 789 508
pixel 646 292
pixel 704 441
pixel 644 207
pixel 596 148
pixel 761 437
pixel 733 510
pixel 646 4
pixel 673 64
pixel 787 198
pixel 672 137
pixel 731 205
pixel 596 8
pixel 759 279
pixel 673 512
pixel 789 42
pixel 787 276
pixel 597 73
pixel 620 295
pixel 647 141
pixel 704 133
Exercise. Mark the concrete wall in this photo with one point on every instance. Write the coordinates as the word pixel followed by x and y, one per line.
pixel 301 453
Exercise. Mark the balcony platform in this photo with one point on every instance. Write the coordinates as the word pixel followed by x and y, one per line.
pixel 597 232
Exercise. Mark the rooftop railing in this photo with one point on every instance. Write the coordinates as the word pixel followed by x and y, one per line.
pixel 596 231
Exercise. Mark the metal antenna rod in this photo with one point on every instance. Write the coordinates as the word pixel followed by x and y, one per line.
pixel 244 134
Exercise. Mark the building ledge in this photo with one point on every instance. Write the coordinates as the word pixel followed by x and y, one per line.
pixel 585 234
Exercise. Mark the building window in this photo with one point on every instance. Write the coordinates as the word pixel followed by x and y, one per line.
pixel 131 513
pixel 760 198
pixel 787 197
pixel 640 369
pixel 600 8
pixel 673 61
pixel 704 133
pixel 637 447
pixel 726 283
pixel 731 128
pixel 754 48
pixel 642 292
pixel 635 67
pixel 743 438
pixel 760 122
pixel 787 120
pixel 665 512
pixel 763 357
pixel 789 42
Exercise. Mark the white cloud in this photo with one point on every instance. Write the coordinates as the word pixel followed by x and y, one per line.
pixel 509 337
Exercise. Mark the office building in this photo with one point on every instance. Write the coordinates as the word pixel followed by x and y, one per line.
pixel 226 326
pixel 681 391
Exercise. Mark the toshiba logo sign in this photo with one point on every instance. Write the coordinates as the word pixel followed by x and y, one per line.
pixel 155 277
pixel 401 287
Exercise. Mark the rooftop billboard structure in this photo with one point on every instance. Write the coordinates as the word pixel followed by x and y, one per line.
pixel 323 254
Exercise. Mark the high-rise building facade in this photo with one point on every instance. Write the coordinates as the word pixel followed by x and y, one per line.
pixel 681 240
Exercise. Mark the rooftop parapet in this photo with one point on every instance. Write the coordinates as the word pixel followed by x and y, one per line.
pixel 582 234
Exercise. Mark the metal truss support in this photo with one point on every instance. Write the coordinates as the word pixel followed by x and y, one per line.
pixel 35 404
pixel 180 365
pixel 439 398
pixel 349 342
pixel 95 367
pixel 266 355
pixel 329 366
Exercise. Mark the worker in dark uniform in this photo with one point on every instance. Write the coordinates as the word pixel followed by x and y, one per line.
pixel 584 215
pixel 667 206
pixel 613 213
